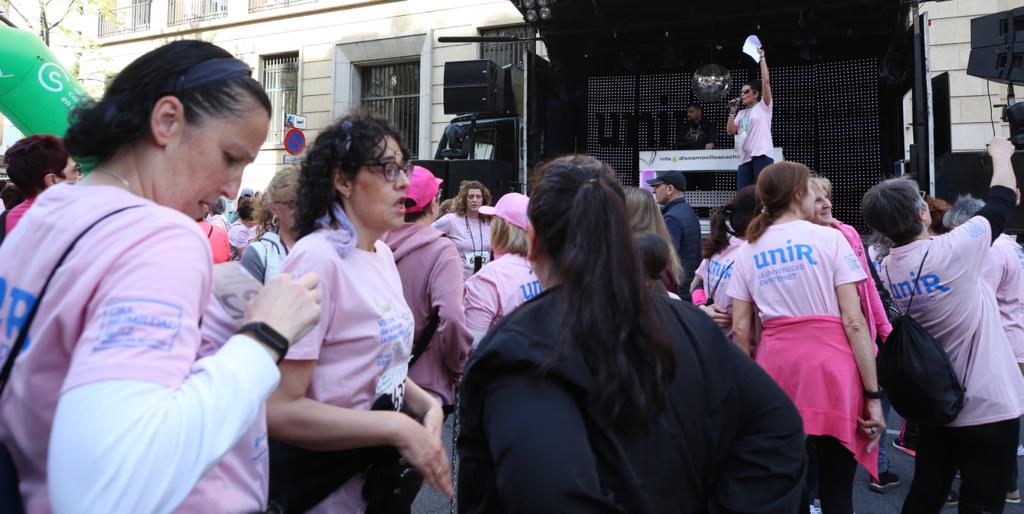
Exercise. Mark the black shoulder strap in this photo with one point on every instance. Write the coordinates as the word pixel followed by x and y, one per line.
pixel 3 225
pixel 420 346
pixel 913 290
pixel 19 343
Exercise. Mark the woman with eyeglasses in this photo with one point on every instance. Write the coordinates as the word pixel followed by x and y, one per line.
pixel 752 127
pixel 344 384
pixel 467 227
pixel 275 227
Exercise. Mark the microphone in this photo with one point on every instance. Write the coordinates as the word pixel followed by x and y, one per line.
pixel 736 101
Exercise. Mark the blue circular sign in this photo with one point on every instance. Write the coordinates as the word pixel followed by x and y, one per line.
pixel 294 141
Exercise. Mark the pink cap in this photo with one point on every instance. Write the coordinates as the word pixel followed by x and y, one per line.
pixel 511 208
pixel 423 187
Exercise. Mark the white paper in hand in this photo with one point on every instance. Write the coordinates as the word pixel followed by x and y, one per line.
pixel 750 47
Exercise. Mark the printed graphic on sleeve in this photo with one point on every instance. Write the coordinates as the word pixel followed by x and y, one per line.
pixel 139 323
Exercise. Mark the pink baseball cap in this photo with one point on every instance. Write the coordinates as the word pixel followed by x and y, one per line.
pixel 511 208
pixel 423 187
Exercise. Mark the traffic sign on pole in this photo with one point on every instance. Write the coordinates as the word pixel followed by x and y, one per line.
pixel 294 141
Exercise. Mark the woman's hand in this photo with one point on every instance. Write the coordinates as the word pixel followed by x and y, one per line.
pixel 290 306
pixel 722 319
pixel 873 425
pixel 421 446
pixel 433 420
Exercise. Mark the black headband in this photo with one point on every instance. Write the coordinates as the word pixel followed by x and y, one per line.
pixel 210 72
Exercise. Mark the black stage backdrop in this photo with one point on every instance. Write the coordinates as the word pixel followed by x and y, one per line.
pixel 825 116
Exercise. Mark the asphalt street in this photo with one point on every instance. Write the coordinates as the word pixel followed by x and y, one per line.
pixel 864 500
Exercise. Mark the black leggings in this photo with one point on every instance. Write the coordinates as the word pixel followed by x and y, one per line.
pixel 836 469
pixel 984 454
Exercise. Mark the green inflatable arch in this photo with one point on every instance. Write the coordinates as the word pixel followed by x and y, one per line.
pixel 36 93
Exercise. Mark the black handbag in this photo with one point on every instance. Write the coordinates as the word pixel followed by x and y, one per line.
pixel 916 373
pixel 10 495
pixel 301 478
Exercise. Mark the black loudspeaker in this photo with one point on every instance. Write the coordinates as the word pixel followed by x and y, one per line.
pixel 498 177
pixel 997 47
pixel 472 87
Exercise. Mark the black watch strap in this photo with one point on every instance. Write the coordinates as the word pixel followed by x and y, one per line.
pixel 873 395
pixel 265 334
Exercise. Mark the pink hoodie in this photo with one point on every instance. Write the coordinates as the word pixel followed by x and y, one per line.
pixel 431 271
pixel 870 302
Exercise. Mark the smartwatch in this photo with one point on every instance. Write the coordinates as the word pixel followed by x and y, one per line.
pixel 873 395
pixel 265 334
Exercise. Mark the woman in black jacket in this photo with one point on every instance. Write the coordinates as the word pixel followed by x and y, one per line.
pixel 600 396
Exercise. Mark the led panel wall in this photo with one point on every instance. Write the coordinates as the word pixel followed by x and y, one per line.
pixel 825 116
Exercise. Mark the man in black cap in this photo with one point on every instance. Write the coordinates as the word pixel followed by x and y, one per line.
pixel 682 223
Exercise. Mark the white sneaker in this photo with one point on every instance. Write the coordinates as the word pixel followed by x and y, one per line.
pixel 815 509
pixel 1020 450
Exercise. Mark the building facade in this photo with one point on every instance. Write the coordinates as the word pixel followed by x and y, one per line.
pixel 973 117
pixel 318 58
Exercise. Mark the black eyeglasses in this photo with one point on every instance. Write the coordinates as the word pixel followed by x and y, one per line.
pixel 390 169
pixel 746 91
pixel 289 204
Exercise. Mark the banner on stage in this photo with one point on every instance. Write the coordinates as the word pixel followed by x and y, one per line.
pixel 727 159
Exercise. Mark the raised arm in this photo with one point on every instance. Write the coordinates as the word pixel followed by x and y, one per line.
pixel 766 88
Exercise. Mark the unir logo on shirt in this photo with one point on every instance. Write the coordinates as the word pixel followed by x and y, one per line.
pixel 786 254
pixel 530 289
pixel 931 283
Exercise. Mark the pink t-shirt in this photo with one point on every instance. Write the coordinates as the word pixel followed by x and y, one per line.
pixel 958 309
pixel 241 479
pixel 124 306
pixel 1004 273
pixel 16 213
pixel 363 341
pixel 794 270
pixel 497 289
pixel 716 273
pixel 471 237
pixel 755 135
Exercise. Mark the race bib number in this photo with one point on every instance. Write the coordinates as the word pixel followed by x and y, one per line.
pixel 471 258
pixel 392 384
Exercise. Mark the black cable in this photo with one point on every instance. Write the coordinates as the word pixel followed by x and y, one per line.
pixel 991 116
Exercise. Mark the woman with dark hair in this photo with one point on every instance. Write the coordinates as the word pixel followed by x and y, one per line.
pixel 34 164
pixel 343 384
pixel 243 230
pixel 753 127
pixel 946 277
pixel 710 287
pixel 599 395
pixel 119 400
pixel 801 279
pixel 467 227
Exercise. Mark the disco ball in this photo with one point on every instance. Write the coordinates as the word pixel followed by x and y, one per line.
pixel 711 82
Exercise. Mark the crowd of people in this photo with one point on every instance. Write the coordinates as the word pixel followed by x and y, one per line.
pixel 599 355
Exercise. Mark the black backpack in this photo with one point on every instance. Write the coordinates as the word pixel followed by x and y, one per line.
pixel 916 373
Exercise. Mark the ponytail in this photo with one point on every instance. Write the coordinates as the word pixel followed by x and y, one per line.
pixel 578 207
pixel 759 225
pixel 778 186
pixel 718 240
